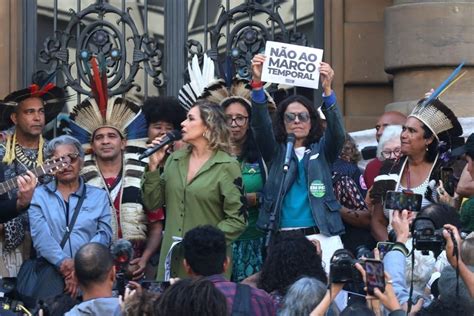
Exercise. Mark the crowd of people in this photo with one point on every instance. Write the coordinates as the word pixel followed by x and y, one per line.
pixel 258 208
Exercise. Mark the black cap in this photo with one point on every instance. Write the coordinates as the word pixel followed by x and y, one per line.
pixel 467 148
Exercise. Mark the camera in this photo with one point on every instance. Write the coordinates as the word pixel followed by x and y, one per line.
pixel 122 252
pixel 426 237
pixel 363 251
pixel 343 267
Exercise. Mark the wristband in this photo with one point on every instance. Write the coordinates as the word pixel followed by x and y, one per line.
pixel 256 85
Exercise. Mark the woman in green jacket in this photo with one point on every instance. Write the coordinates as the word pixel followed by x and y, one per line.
pixel 200 185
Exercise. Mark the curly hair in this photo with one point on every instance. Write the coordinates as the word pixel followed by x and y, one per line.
pixel 350 152
pixel 163 108
pixel 192 297
pixel 205 250
pixel 290 257
pixel 249 151
pixel 317 129
pixel 213 117
pixel 141 303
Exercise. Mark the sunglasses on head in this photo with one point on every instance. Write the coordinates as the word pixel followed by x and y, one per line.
pixel 302 117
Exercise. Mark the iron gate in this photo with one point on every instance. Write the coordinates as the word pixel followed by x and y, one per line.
pixel 146 62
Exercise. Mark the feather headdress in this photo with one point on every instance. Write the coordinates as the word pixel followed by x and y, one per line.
pixel 198 81
pixel 435 114
pixel 438 118
pixel 203 85
pixel 93 113
pixel 122 115
pixel 218 92
pixel 53 98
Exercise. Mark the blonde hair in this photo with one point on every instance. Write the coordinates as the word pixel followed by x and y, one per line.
pixel 218 132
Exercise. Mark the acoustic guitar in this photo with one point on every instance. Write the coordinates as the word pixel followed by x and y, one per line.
pixel 50 167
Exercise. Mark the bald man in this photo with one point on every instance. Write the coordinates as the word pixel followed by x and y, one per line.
pixel 388 118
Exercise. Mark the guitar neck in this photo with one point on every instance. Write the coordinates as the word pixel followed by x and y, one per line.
pixel 11 184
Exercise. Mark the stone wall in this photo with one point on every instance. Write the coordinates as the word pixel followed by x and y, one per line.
pixel 10 46
pixel 355 48
pixel 424 42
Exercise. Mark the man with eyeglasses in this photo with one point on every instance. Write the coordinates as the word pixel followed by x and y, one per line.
pixel 24 115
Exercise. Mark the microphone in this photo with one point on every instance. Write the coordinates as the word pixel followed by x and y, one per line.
pixel 290 143
pixel 169 138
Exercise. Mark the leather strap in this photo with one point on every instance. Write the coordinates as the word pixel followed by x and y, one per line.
pixel 74 217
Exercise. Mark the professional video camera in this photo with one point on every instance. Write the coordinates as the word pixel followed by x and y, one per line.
pixel 363 251
pixel 426 237
pixel 9 305
pixel 122 252
pixel 343 268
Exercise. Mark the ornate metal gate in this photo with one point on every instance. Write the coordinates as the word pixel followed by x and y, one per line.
pixel 229 34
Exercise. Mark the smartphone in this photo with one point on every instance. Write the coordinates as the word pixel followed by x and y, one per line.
pixel 374 274
pixel 448 180
pixel 395 200
pixel 384 247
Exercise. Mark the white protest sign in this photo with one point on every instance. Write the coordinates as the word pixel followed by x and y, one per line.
pixel 292 64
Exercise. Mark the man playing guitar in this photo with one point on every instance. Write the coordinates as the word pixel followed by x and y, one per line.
pixel 24 114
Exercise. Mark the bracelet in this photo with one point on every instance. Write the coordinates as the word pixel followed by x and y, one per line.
pixel 256 85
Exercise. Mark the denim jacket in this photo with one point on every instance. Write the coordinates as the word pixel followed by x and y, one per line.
pixel 47 214
pixel 318 160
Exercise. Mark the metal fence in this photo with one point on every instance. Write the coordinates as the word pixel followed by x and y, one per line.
pixel 153 60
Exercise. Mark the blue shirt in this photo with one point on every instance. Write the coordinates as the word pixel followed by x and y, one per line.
pixel 395 265
pixel 47 214
pixel 296 211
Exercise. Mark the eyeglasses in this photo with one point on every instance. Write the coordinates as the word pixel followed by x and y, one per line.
pixel 73 156
pixel 239 120
pixel 387 154
pixel 290 117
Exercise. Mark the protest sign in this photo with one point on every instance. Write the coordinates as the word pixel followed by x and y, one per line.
pixel 292 64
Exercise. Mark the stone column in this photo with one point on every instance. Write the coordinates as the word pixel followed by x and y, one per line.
pixel 10 46
pixel 424 42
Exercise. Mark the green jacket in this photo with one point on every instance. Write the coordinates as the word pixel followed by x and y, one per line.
pixel 213 197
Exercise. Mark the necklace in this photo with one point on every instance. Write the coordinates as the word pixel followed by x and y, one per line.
pixel 26 159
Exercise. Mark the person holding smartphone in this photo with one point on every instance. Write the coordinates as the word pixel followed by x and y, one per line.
pixel 428 126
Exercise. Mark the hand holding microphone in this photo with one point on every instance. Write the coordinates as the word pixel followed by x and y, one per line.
pixel 159 146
